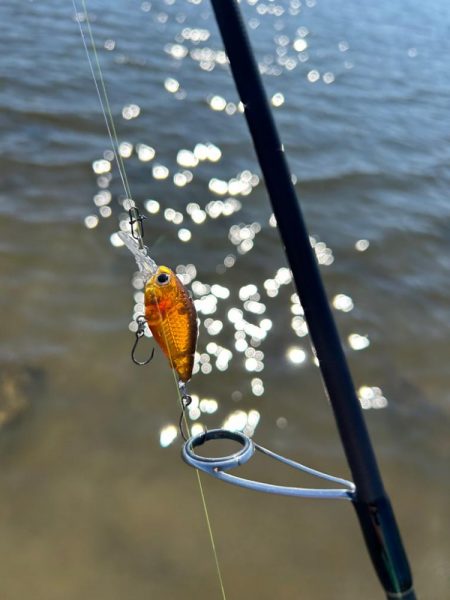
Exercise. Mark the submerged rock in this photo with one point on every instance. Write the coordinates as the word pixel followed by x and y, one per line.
pixel 18 387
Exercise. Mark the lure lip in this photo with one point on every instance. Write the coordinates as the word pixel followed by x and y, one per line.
pixel 146 265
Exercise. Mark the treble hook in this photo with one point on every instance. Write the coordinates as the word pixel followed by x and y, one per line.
pixel 140 320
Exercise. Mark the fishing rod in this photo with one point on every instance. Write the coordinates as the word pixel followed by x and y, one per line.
pixel 370 500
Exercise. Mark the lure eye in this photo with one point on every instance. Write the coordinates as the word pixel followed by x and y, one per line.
pixel 162 278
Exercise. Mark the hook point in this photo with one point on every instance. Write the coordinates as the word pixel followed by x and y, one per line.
pixel 140 320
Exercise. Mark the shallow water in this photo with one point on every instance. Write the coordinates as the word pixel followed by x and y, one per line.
pixel 92 504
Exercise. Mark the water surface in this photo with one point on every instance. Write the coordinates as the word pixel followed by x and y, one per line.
pixel 92 504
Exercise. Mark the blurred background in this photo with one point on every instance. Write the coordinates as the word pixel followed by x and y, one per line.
pixel 95 501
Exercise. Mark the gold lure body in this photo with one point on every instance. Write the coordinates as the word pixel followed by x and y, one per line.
pixel 172 318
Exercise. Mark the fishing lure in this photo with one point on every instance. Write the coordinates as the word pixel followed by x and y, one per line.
pixel 171 316
pixel 169 310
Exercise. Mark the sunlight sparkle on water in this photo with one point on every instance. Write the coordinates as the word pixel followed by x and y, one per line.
pixel 171 85
pixel 184 235
pixel 343 302
pixel 125 149
pixel 245 246
pixel 152 206
pixel 186 158
pixel 299 326
pixel 213 153
pixel 127 204
pixel 198 216
pixel 145 153
pixel 101 166
pixel 240 420
pixel 248 291
pixel 257 386
pixel 104 180
pixel 371 397
pixel 208 406
pixel 241 344
pixel 300 44
pixel 229 261
pixel 200 289
pixel 195 34
pixel 235 315
pixel 217 208
pixel 91 221
pixel 266 324
pixel 193 408
pixel 218 186
pixel 115 240
pixel 214 327
pixel 160 172
pixel 323 253
pixel 296 302
pixel 207 305
pixel 282 422
pixel 197 429
pixel 296 355
pixel 223 357
pixel 201 151
pixel 217 103
pixel 277 99
pixel 177 51
pixel 194 412
pixel 167 435
pixel 220 291
pixel 257 308
pixel 362 245
pixel 180 179
pixel 105 211
pixel 283 276
pixel 206 368
pixel 358 342
pixel 271 287
pixel 131 111
pixel 173 216
pixel 102 198
pixel 252 364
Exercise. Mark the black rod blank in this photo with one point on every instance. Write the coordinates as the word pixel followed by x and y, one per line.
pixel 372 504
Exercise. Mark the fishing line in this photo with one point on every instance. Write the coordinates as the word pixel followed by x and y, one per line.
pixel 200 484
pixel 110 126
pixel 107 113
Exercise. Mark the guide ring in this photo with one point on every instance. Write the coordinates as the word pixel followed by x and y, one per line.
pixel 218 467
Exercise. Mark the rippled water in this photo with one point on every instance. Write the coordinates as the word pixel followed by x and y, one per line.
pixel 95 499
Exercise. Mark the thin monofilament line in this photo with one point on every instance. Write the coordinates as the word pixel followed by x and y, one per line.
pixel 205 506
pixel 200 485
pixel 110 126
pixel 107 114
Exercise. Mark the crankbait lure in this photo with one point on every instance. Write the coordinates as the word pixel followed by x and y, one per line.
pixel 171 316
pixel 169 310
